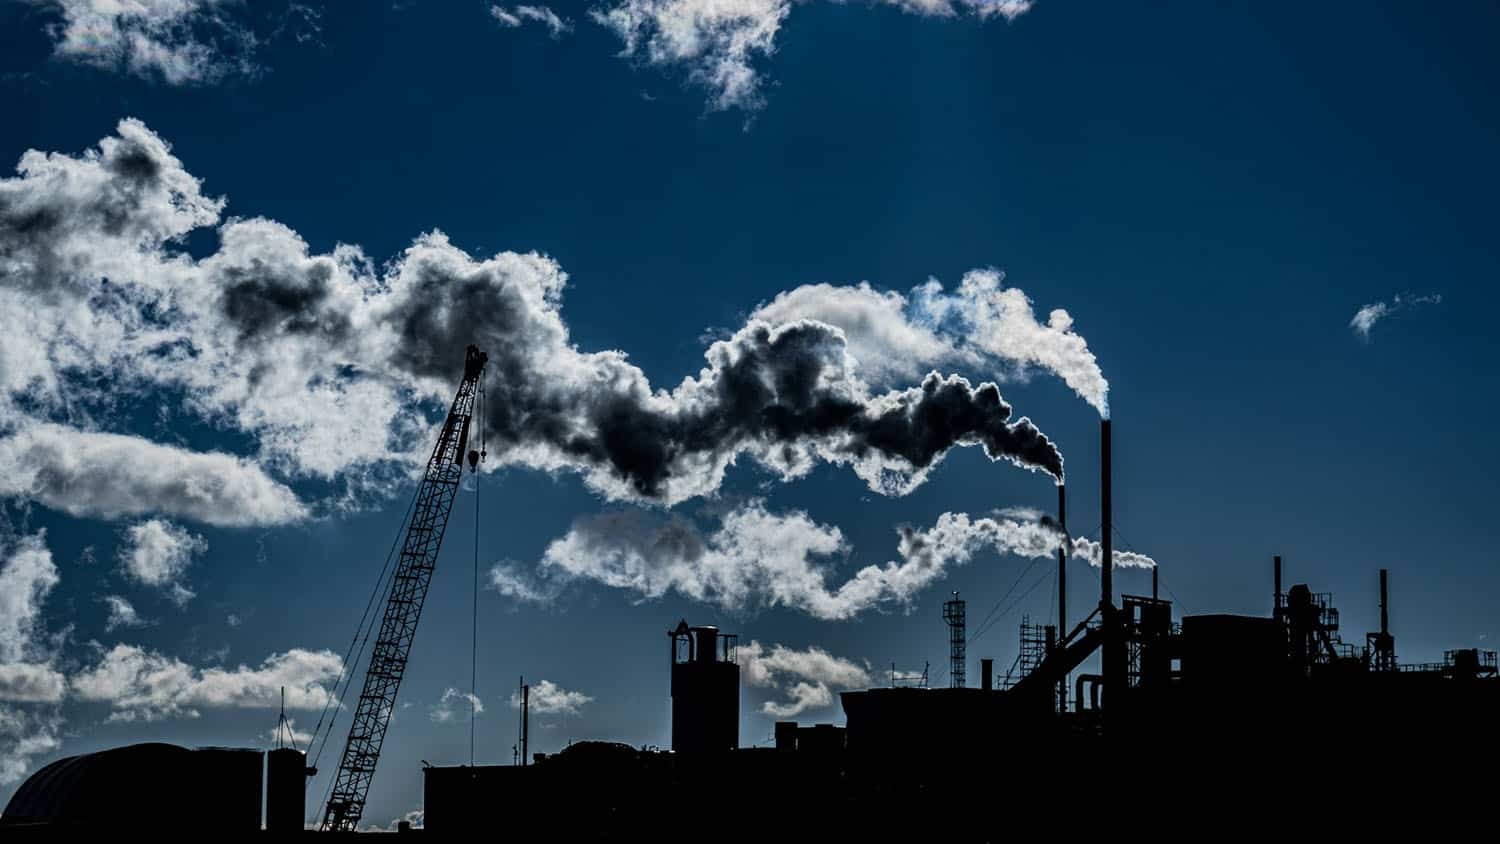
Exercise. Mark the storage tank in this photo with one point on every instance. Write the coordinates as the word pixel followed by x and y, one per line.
pixel 214 789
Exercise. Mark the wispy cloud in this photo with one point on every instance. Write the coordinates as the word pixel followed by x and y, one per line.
pixel 1367 316
pixel 121 614
pixel 455 705
pixel 180 42
pixel 517 16
pixel 719 43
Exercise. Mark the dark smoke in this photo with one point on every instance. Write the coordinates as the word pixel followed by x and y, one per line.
pixel 269 336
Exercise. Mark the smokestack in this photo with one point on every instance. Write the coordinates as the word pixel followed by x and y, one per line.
pixel 525 723
pixel 1106 574
pixel 987 674
pixel 1276 606
pixel 1062 585
pixel 1062 559
pixel 1385 621
pixel 1154 571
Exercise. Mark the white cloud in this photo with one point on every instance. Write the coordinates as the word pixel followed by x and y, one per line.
pixel 548 698
pixel 1365 318
pixel 807 677
pixel 25 733
pixel 108 476
pixel 30 682
pixel 415 817
pixel 1007 9
pixel 455 705
pixel 181 42
pixel 148 686
pixel 519 15
pixel 716 41
pixel 756 558
pixel 233 620
pixel 158 553
pixel 121 614
pixel 33 725
pixel 719 42
pixel 893 336
pixel 26 578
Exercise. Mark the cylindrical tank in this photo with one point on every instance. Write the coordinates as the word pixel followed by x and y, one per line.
pixel 286 790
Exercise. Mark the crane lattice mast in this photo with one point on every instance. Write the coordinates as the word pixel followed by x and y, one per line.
pixel 403 607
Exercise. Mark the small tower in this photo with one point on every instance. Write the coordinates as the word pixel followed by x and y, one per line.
pixel 705 690
pixel 954 613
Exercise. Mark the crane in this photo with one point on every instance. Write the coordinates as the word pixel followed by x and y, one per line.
pixel 403 606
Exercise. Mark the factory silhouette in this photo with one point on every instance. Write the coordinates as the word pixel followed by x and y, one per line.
pixel 1230 717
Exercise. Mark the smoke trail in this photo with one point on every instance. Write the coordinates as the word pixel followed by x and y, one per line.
pixel 1365 318
pixel 756 558
pixel 333 365
pixel 980 323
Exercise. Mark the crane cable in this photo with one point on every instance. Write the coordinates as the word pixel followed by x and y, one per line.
pixel 474 612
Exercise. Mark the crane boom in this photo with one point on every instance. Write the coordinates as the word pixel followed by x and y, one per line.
pixel 403 607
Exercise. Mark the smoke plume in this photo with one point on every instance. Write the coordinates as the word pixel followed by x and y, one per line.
pixel 1364 319
pixel 758 559
pixel 980 323
pixel 332 365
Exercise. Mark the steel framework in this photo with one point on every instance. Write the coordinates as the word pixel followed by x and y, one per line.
pixel 954 613
pixel 403 607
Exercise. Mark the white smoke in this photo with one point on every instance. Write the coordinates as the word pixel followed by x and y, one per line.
pixel 1364 319
pixel 807 677
pixel 895 336
pixel 334 367
pixel 757 559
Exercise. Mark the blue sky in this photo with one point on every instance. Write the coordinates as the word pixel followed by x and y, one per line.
pixel 1211 192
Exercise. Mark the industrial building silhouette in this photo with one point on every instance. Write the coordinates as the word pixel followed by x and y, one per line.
pixel 1212 715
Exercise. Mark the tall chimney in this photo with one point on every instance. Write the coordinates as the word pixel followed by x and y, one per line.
pixel 1114 656
pixel 1276 605
pixel 987 674
pixel 1385 620
pixel 1062 560
pixel 1062 586
pixel 1106 575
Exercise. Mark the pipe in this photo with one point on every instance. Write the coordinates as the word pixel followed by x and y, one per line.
pixel 987 674
pixel 525 722
pixel 1385 621
pixel 1093 681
